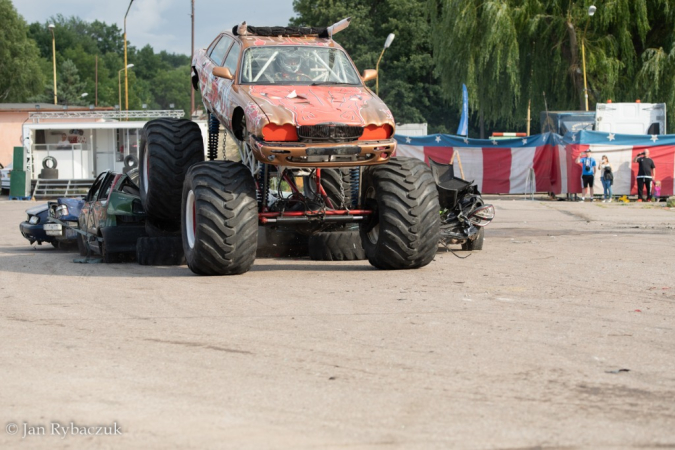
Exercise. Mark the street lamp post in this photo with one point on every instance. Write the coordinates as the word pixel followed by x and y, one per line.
pixel 51 28
pixel 387 43
pixel 126 78
pixel 591 11
pixel 119 82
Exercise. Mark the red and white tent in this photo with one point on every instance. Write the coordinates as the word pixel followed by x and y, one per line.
pixel 545 162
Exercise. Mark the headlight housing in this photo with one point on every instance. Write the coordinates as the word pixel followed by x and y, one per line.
pixel 34 220
pixel 61 211
pixel 279 133
pixel 376 133
pixel 482 216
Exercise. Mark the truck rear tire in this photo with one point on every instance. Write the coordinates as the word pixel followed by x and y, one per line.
pixel 160 251
pixel 336 183
pixel 403 231
pixel 220 218
pixel 168 148
pixel 343 245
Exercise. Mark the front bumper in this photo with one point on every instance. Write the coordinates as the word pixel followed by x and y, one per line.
pixel 324 154
pixel 35 233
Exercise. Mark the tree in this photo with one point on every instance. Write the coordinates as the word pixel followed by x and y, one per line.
pixel 509 52
pixel 20 74
pixel 407 82
pixel 70 88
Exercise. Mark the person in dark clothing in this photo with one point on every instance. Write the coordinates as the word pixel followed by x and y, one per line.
pixel 646 174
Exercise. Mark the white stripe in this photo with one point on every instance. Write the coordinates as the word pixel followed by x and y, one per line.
pixel 472 163
pixel 411 151
pixel 620 157
pixel 562 159
pixel 522 160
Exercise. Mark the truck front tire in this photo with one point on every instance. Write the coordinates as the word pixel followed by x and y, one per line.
pixel 220 218
pixel 403 231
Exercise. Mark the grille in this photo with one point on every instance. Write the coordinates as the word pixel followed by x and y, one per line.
pixel 330 131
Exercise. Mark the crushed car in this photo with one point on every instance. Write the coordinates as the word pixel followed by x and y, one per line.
pixel 315 157
pixel 33 227
pixel 63 217
pixel 112 217
pixel 464 214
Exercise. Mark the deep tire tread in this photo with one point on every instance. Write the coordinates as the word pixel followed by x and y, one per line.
pixel 226 236
pixel 336 246
pixel 174 145
pixel 160 251
pixel 408 208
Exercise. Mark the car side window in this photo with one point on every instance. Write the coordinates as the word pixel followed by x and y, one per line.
pixel 106 187
pixel 96 187
pixel 220 50
pixel 232 58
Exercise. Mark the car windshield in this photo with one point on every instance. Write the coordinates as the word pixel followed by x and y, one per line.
pixel 299 65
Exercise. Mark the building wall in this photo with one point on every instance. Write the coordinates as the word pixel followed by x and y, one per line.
pixel 10 134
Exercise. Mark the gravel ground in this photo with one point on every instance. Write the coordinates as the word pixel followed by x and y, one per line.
pixel 520 346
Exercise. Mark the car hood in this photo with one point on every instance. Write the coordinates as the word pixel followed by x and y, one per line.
pixel 34 211
pixel 311 105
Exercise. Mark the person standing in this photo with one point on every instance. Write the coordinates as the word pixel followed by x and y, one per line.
pixel 646 174
pixel 607 178
pixel 588 167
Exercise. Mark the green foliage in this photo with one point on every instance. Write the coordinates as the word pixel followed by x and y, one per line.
pixel 157 79
pixel 20 70
pixel 509 52
pixel 407 82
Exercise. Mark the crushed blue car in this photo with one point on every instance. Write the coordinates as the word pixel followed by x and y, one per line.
pixel 33 227
pixel 63 219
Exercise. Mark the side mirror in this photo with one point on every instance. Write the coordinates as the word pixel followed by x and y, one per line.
pixel 369 74
pixel 223 72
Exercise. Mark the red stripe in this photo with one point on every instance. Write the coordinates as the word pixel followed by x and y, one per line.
pixel 439 154
pixel 574 168
pixel 496 170
pixel 663 160
pixel 544 170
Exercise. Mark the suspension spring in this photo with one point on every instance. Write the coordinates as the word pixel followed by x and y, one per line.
pixel 263 187
pixel 355 179
pixel 214 129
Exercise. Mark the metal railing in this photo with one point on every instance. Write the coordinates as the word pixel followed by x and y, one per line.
pixel 61 188
pixel 142 114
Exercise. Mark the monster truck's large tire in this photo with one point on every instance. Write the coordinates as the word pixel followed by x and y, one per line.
pixel 342 245
pixel 160 228
pixel 476 244
pixel 336 183
pixel 160 251
pixel 168 148
pixel 220 218
pixel 404 229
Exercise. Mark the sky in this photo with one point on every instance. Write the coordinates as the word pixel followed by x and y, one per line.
pixel 164 24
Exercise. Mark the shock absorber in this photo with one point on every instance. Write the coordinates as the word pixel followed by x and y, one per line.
pixel 214 127
pixel 355 178
pixel 263 187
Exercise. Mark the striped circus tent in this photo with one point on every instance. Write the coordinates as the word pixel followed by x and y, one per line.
pixel 544 162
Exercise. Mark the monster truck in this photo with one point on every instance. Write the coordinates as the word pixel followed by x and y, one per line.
pixel 315 147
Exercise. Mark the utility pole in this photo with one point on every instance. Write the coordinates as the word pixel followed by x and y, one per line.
pixel 126 78
pixel 96 99
pixel 192 55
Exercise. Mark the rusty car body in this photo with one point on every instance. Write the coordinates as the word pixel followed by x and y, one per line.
pixel 320 115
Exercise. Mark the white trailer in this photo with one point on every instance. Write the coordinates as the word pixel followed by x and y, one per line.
pixel 88 145
pixel 631 118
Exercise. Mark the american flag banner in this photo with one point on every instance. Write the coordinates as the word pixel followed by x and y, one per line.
pixel 545 162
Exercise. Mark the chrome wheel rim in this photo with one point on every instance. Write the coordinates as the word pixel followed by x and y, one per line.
pixel 190 219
